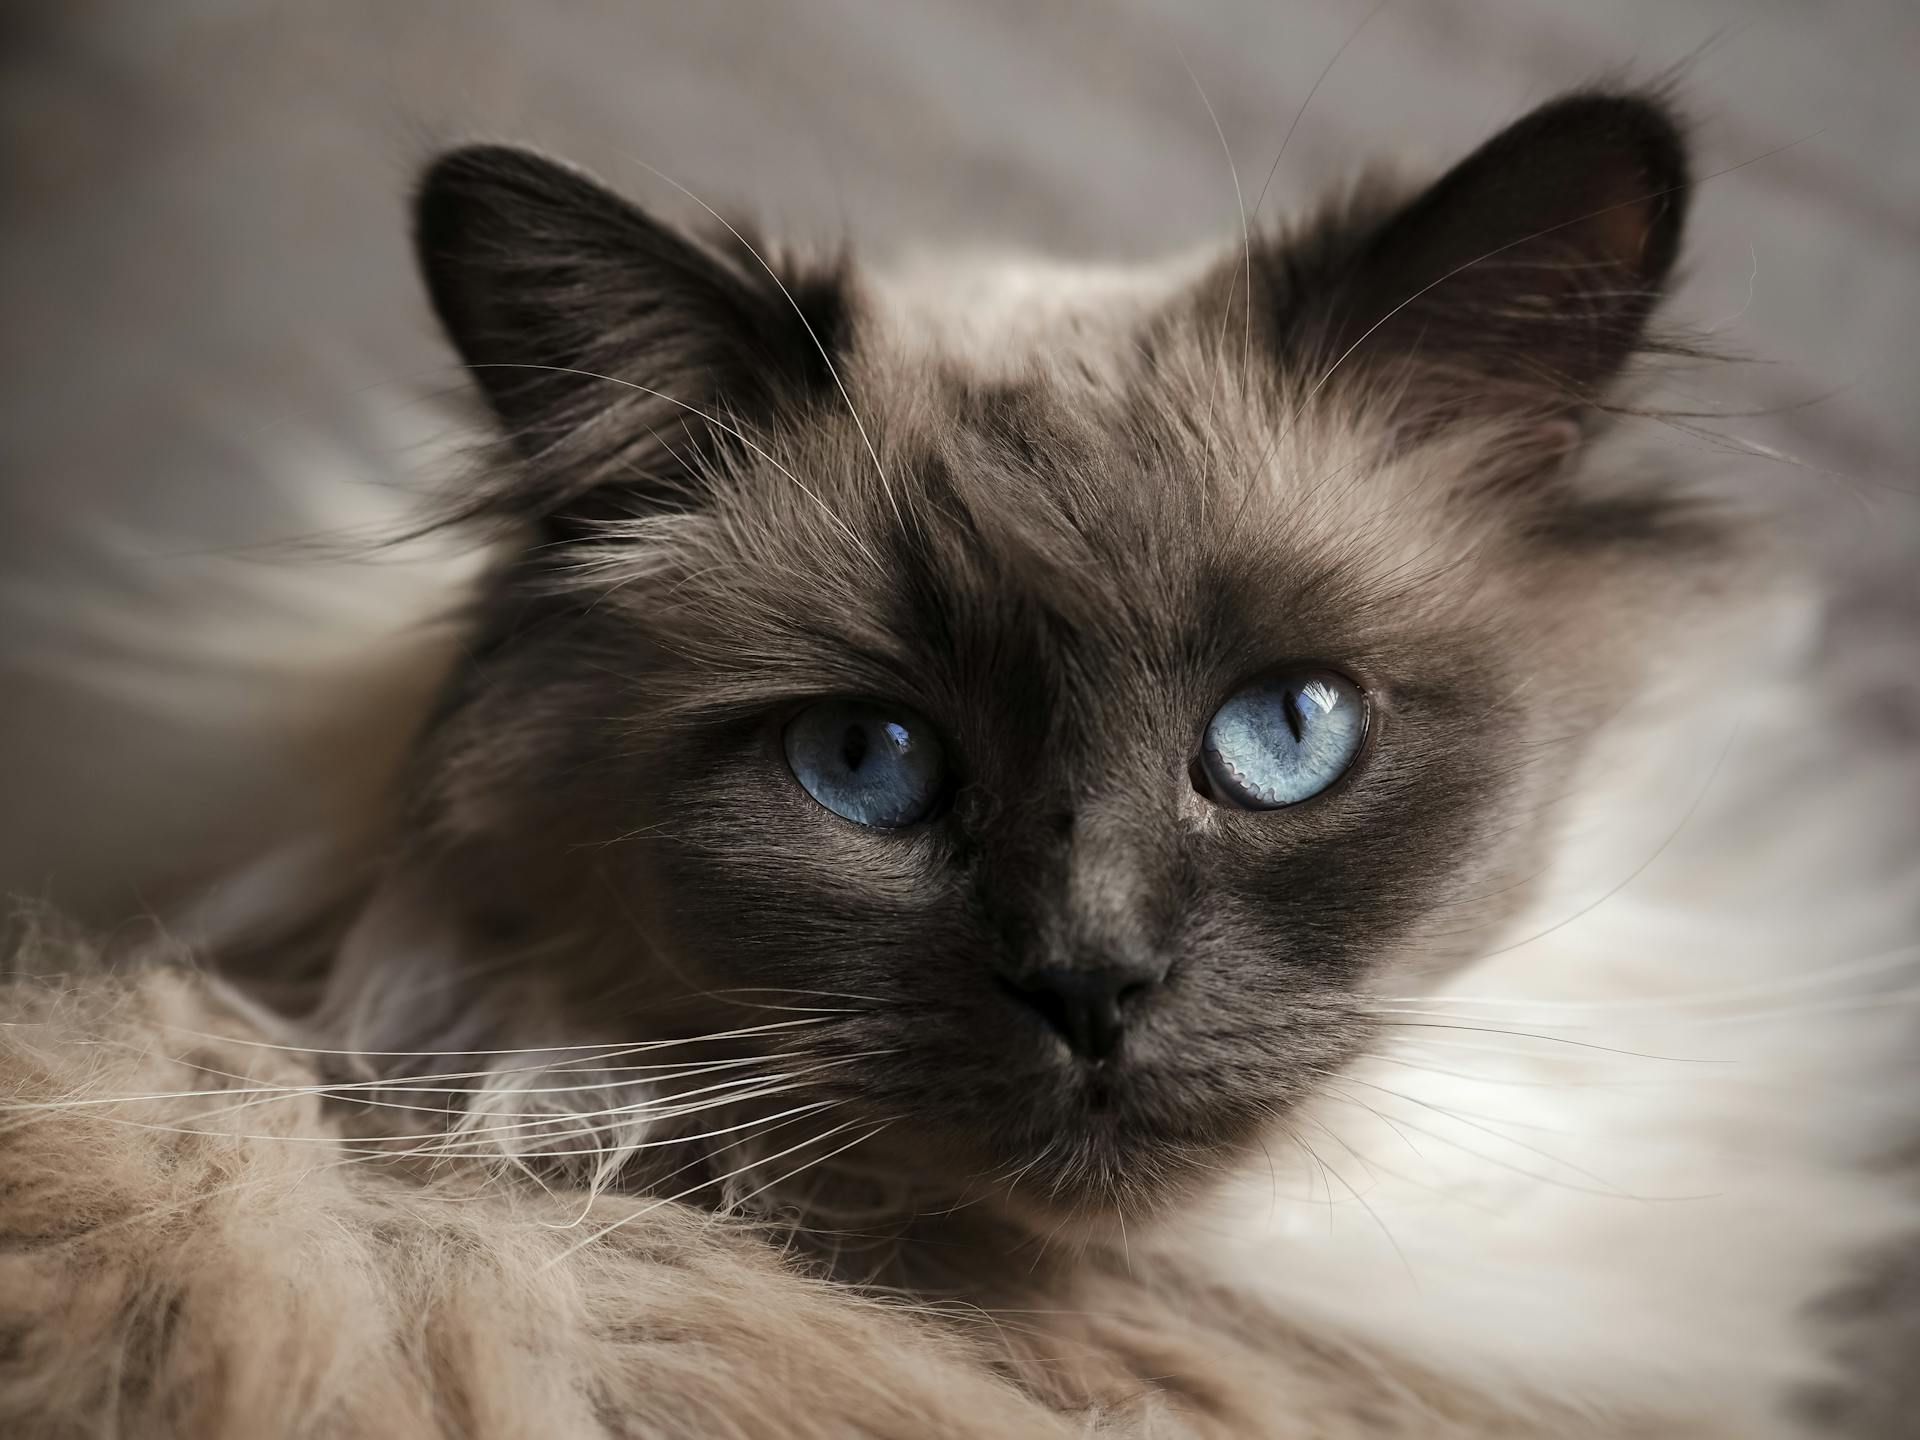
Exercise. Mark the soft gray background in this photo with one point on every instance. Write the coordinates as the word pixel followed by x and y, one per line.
pixel 210 318
pixel 212 345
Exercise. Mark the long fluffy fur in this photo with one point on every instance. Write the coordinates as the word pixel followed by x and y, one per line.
pixel 196 1265
pixel 1613 1164
pixel 1594 1185
pixel 196 1247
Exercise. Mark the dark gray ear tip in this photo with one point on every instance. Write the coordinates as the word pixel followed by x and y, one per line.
pixel 476 205
pixel 1638 135
pixel 484 164
pixel 451 189
pixel 1647 124
pixel 452 203
pixel 476 161
pixel 1649 116
pixel 1613 165
pixel 480 179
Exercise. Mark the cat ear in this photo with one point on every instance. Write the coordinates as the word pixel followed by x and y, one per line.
pixel 1524 276
pixel 611 347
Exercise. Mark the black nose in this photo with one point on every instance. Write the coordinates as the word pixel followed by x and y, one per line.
pixel 1088 1006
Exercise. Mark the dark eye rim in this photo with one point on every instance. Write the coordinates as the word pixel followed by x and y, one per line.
pixel 1202 781
pixel 784 717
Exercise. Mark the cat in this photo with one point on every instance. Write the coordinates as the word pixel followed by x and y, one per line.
pixel 951 787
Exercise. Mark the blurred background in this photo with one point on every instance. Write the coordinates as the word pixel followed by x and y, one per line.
pixel 215 362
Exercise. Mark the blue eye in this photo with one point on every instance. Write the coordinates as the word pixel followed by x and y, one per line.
pixel 1283 739
pixel 872 764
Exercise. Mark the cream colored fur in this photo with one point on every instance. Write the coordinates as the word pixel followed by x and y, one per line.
pixel 178 1262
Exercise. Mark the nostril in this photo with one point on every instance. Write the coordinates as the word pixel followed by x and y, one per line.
pixel 1087 1008
pixel 1050 1005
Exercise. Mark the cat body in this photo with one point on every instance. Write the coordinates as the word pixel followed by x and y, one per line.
pixel 1523 1076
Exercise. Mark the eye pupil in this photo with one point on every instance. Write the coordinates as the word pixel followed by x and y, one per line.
pixel 1291 705
pixel 1282 740
pixel 853 746
pixel 876 765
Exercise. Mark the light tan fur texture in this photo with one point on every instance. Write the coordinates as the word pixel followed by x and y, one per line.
pixel 178 1262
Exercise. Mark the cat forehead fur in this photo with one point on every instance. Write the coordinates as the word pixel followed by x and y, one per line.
pixel 1108 444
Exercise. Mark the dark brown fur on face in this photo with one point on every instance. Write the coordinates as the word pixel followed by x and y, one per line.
pixel 1358 447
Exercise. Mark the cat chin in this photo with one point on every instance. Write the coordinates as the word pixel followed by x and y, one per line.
pixel 1098 1184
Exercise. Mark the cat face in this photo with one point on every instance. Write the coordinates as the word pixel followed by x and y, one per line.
pixel 1083 693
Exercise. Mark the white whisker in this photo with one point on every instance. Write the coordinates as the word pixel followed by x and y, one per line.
pixel 598 1235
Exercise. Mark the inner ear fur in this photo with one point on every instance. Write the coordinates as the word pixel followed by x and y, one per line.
pixel 1523 278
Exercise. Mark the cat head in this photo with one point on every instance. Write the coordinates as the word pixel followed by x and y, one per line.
pixel 1077 692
